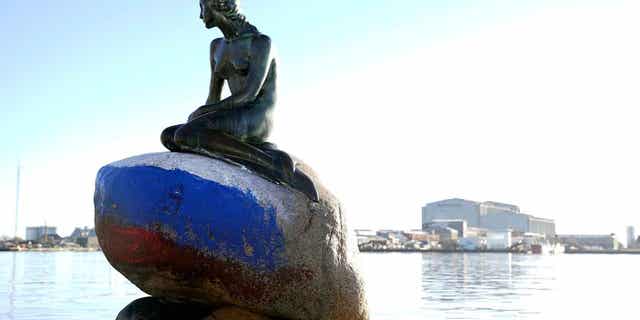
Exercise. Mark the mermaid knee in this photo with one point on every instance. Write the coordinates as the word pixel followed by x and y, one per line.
pixel 168 138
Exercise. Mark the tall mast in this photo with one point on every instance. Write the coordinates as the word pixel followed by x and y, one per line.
pixel 15 230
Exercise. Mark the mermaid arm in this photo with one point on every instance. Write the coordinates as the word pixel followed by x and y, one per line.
pixel 215 86
pixel 258 71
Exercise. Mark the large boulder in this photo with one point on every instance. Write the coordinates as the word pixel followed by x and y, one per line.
pixel 191 228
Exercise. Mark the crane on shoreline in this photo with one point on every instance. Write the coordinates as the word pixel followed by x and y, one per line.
pixel 15 230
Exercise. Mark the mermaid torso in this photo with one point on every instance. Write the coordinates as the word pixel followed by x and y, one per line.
pixel 231 61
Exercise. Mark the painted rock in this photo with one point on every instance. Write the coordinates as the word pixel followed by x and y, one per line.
pixel 191 228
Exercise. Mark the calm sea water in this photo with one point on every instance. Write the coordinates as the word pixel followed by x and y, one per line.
pixel 401 286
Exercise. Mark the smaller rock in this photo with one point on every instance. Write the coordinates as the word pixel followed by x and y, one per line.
pixel 151 308
pixel 233 313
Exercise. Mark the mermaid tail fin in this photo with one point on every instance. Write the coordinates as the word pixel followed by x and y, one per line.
pixel 304 184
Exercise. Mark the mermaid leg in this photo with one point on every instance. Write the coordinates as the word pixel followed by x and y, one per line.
pixel 202 136
pixel 167 138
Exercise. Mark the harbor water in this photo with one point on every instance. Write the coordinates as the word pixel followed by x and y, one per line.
pixel 401 286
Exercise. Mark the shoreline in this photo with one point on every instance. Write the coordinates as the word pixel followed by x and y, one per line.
pixel 52 250
pixel 603 252
pixel 632 252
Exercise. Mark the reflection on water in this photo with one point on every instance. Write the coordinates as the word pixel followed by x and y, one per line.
pixel 500 286
pixel 12 287
pixel 401 286
pixel 61 286
pixel 484 282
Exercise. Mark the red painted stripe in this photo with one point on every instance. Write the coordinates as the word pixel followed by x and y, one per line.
pixel 138 251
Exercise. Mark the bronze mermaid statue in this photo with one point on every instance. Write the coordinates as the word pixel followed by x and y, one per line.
pixel 235 128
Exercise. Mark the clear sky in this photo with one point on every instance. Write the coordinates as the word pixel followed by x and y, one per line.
pixel 394 103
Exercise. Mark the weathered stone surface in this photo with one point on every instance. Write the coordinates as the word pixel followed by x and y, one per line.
pixel 188 227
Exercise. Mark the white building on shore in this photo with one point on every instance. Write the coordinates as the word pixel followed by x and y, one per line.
pixel 493 216
pixel 37 233
pixel 631 237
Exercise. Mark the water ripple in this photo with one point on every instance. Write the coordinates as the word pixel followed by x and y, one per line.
pixel 497 286
pixel 70 286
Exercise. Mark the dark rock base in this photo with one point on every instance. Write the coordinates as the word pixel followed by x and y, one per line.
pixel 151 308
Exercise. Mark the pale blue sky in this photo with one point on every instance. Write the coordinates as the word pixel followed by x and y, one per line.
pixel 71 67
pixel 85 83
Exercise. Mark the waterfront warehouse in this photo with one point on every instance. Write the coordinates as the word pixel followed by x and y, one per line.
pixel 492 216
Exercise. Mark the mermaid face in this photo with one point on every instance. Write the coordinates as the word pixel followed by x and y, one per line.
pixel 209 15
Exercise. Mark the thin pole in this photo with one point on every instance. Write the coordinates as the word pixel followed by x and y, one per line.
pixel 15 230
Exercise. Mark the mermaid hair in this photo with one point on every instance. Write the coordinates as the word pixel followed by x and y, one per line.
pixel 228 8
pixel 231 10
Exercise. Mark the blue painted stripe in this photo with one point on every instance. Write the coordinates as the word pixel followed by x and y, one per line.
pixel 202 214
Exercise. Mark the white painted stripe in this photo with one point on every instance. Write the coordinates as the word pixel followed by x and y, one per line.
pixel 285 200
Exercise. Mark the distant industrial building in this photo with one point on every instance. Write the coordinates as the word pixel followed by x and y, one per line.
pixel 631 237
pixel 37 233
pixel 461 226
pixel 499 240
pixel 491 216
pixel 84 237
pixel 590 241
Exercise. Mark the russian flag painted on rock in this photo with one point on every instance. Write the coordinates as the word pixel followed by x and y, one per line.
pixel 192 212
